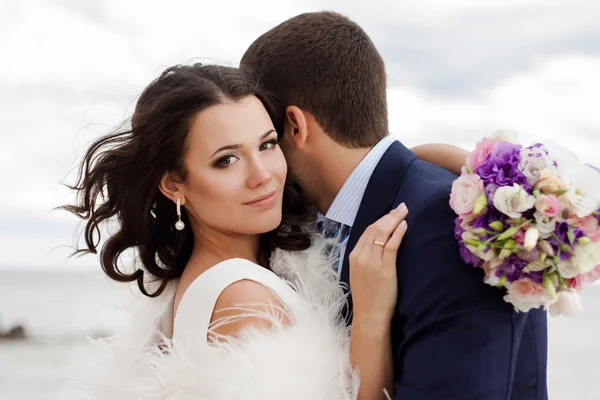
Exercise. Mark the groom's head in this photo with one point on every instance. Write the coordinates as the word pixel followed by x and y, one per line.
pixel 329 80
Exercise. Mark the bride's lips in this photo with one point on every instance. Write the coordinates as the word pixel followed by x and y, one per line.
pixel 263 201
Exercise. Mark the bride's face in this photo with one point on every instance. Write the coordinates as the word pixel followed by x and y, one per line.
pixel 236 170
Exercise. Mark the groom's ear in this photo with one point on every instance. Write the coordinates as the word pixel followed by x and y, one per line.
pixel 296 126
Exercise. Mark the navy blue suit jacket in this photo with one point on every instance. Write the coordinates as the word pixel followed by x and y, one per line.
pixel 453 336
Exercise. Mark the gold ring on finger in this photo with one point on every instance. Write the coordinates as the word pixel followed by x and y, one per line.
pixel 378 243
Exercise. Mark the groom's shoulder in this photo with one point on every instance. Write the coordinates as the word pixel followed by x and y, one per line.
pixel 427 180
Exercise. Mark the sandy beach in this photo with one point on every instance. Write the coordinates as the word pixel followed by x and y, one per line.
pixel 60 309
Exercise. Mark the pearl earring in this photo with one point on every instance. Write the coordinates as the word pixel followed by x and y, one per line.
pixel 179 225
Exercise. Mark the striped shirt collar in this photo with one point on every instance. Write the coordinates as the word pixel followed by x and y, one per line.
pixel 347 202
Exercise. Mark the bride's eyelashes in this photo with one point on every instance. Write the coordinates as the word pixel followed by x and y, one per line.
pixel 227 160
pixel 223 162
pixel 269 145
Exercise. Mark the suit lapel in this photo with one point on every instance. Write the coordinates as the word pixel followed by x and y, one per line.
pixel 377 201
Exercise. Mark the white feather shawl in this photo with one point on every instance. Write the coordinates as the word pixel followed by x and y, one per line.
pixel 307 360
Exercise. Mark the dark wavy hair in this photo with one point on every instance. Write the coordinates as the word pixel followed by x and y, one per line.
pixel 120 174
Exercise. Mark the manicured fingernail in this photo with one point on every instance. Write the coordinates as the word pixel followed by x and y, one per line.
pixel 401 207
pixel 403 224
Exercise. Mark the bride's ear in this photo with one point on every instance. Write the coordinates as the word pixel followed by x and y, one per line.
pixel 296 127
pixel 171 189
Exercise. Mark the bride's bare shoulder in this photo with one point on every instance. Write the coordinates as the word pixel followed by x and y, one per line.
pixel 245 303
pixel 196 270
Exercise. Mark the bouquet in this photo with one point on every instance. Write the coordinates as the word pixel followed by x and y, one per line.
pixel 529 217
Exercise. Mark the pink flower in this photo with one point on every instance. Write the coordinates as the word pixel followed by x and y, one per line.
pixel 520 237
pixel 589 225
pixel 583 281
pixel 525 294
pixel 526 287
pixel 481 152
pixel 548 205
pixel 464 192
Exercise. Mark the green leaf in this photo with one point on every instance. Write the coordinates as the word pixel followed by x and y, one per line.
pixel 571 236
pixel 561 191
pixel 508 233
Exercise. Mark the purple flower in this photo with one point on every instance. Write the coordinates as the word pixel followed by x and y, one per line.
pixel 578 233
pixel 501 168
pixel 465 253
pixel 537 277
pixel 564 256
pixel 597 214
pixel 562 231
pixel 512 268
pixel 469 257
pixel 492 215
pixel 554 244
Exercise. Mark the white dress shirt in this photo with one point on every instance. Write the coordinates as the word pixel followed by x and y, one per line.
pixel 347 202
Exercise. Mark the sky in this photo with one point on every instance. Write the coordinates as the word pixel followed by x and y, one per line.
pixel 71 70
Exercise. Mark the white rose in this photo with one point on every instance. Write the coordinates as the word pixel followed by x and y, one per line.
pixel 568 304
pixel 567 268
pixel 586 258
pixel 581 180
pixel 533 161
pixel 490 271
pixel 565 159
pixel 491 279
pixel 513 200
pixel 584 190
pixel 545 225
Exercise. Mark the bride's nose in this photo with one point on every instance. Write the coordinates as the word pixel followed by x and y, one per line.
pixel 258 174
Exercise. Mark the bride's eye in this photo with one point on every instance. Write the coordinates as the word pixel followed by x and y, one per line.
pixel 226 161
pixel 268 145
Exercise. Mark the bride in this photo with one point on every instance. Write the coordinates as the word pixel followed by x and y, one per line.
pixel 241 301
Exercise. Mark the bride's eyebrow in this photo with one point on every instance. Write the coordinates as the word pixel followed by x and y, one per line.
pixel 237 146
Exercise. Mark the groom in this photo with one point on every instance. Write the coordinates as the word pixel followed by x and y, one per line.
pixel 453 337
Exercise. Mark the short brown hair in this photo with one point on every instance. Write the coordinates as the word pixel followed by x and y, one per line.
pixel 326 64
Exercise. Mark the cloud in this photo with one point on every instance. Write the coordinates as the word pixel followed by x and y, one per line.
pixel 458 69
pixel 476 50
pixel 555 100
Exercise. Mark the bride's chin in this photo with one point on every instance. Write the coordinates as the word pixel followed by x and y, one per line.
pixel 266 224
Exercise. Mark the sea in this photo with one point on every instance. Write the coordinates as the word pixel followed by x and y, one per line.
pixel 58 309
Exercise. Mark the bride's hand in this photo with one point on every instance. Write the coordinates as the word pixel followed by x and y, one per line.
pixel 373 279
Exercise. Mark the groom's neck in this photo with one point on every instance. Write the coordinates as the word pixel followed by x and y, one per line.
pixel 335 165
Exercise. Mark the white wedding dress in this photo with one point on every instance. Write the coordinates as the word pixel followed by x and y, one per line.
pixel 161 357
